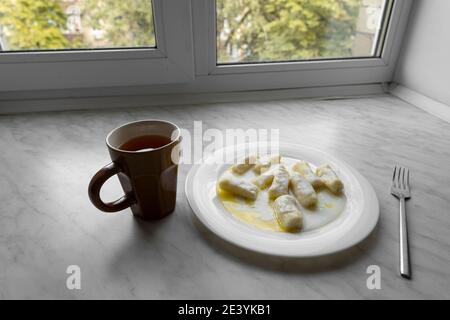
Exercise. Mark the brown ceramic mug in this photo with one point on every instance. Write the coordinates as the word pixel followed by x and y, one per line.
pixel 148 177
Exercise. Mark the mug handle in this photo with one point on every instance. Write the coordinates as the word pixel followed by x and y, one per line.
pixel 96 184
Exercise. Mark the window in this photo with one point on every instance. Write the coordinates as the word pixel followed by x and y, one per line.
pixel 75 24
pixel 65 44
pixel 252 31
pixel 199 45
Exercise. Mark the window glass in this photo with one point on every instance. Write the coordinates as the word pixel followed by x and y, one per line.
pixel 75 24
pixel 252 31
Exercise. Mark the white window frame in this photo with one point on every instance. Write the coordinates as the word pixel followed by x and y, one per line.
pixel 185 62
pixel 171 61
pixel 295 74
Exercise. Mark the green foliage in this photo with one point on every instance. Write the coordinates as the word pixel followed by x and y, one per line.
pixel 125 23
pixel 267 30
pixel 33 24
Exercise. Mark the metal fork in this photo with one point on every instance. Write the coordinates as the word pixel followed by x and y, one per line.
pixel 400 189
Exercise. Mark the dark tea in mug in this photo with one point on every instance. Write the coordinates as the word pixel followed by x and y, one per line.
pixel 145 143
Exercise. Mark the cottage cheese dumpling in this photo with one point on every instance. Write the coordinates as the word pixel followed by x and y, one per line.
pixel 287 213
pixel 263 181
pixel 303 190
pixel 246 165
pixel 238 187
pixel 329 177
pixel 280 184
pixel 305 170
pixel 263 164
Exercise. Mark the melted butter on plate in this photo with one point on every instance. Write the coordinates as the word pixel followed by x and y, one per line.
pixel 259 213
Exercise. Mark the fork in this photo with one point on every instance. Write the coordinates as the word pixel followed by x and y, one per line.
pixel 400 189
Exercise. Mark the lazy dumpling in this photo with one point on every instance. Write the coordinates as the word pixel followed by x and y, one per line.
pixel 238 187
pixel 246 165
pixel 303 190
pixel 263 181
pixel 329 177
pixel 287 213
pixel 280 183
pixel 263 164
pixel 305 170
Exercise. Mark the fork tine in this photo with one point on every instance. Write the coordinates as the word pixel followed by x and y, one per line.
pixel 407 179
pixel 393 176
pixel 399 181
pixel 404 179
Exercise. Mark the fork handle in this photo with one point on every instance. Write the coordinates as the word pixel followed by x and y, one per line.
pixel 405 271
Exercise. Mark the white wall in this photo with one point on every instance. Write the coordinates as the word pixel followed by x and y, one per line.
pixel 424 64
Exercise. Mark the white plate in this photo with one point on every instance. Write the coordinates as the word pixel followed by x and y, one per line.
pixel 358 219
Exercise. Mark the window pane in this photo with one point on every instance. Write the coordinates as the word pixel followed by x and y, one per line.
pixel 284 30
pixel 75 24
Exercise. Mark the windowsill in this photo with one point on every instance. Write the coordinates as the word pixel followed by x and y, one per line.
pixel 85 99
pixel 47 221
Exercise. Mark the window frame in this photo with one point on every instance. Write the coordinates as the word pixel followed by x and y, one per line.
pixel 309 64
pixel 184 62
pixel 170 61
pixel 306 73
